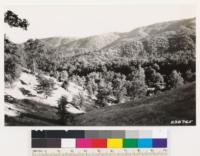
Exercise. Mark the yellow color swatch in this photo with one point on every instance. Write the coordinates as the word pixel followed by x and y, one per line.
pixel 114 143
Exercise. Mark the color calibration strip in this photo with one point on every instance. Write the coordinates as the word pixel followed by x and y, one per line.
pixel 103 141
pixel 99 143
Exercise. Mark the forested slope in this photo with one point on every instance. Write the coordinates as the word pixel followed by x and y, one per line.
pixel 115 69
pixel 164 109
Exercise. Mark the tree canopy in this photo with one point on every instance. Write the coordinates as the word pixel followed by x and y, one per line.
pixel 13 20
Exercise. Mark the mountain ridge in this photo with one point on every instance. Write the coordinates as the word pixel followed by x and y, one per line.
pixel 106 41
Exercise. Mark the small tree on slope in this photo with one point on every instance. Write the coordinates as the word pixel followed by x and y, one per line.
pixel 175 79
pixel 45 86
pixel 65 117
pixel 138 87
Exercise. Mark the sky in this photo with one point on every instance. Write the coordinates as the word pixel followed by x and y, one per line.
pixel 86 20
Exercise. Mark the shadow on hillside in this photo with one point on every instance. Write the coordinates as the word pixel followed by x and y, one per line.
pixel 175 107
pixel 31 113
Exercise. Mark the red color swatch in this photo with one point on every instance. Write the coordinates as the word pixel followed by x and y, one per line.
pixel 91 143
pixel 99 143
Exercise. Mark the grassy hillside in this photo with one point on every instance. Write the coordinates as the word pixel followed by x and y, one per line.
pixel 57 41
pixel 90 43
pixel 30 113
pixel 158 28
pixel 24 105
pixel 178 104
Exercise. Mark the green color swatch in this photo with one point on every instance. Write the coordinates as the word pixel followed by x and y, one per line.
pixel 130 143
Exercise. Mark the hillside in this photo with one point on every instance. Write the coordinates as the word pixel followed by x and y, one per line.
pixel 156 110
pixel 22 100
pixel 111 43
pixel 91 43
pixel 57 41
pixel 105 73
pixel 139 43
pixel 159 29
pixel 178 104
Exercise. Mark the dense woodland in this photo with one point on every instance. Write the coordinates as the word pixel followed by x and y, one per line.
pixel 129 68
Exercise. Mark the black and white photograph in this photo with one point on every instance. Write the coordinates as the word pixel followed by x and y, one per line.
pixel 100 65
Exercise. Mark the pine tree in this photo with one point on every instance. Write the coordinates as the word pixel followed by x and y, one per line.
pixel 35 50
pixel 62 102
pixel 12 57
pixel 12 61
pixel 13 20
pixel 45 86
